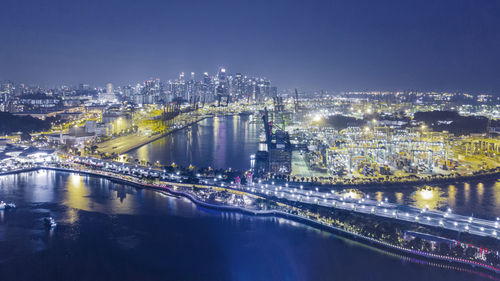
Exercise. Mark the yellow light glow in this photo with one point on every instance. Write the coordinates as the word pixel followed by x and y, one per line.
pixel 426 194
pixel 428 197
pixel 76 179
pixel 352 193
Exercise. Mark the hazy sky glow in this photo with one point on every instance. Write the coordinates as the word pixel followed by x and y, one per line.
pixel 333 45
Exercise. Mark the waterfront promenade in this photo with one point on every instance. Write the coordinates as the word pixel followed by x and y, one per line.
pixel 171 187
pixel 447 220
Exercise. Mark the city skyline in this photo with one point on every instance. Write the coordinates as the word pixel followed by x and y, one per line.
pixel 198 76
pixel 324 45
pixel 250 140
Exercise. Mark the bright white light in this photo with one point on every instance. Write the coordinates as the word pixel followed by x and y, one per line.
pixel 426 194
pixel 75 179
pixel 317 118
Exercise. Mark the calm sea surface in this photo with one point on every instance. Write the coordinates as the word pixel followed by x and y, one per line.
pixel 223 142
pixel 111 231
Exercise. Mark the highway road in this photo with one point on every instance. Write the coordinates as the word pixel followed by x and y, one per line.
pixel 365 205
pixel 332 199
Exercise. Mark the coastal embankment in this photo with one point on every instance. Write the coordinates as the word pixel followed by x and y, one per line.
pixel 127 143
pixel 169 188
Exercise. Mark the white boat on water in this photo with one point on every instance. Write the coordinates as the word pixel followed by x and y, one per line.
pixel 4 205
pixel 50 222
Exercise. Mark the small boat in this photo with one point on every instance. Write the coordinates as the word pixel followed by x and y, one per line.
pixel 10 206
pixel 2 205
pixel 50 222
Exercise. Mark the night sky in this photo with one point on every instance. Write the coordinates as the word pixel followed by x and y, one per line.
pixel 332 45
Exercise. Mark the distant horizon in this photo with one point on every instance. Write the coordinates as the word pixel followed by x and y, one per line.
pixel 280 89
pixel 448 45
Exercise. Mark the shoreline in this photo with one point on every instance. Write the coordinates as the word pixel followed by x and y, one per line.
pixel 154 138
pixel 484 174
pixel 372 185
pixel 275 213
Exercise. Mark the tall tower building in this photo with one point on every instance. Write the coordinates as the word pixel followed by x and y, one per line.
pixel 223 84
pixel 110 94
pixel 109 89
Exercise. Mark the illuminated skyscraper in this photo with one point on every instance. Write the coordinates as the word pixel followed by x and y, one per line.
pixel 110 94
pixel 109 89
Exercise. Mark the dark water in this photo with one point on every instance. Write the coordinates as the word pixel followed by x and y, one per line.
pixel 111 231
pixel 224 142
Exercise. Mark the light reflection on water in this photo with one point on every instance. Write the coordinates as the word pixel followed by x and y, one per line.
pixel 223 142
pixel 496 192
pixel 76 193
pixel 480 198
pixel 429 197
pixel 452 193
pixel 121 227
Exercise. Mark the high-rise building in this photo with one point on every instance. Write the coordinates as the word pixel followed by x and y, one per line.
pixel 222 82
pixel 152 91
pixel 110 94
pixel 109 89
